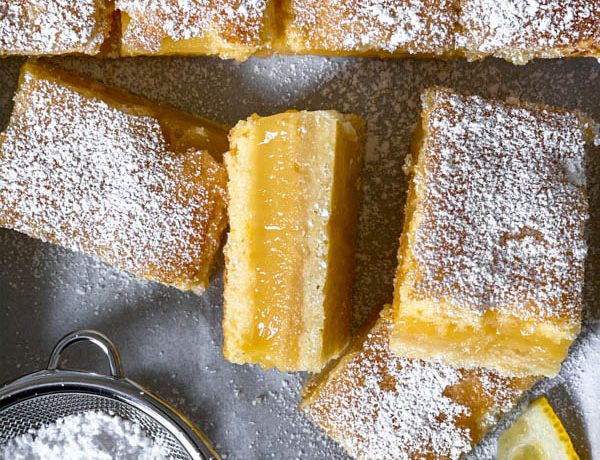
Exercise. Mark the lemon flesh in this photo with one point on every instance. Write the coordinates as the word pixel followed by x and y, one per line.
pixel 537 434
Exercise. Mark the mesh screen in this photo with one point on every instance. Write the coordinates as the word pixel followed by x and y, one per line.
pixel 41 410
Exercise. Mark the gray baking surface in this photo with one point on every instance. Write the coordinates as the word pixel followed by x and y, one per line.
pixel 171 341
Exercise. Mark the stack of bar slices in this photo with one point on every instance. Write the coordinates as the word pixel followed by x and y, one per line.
pixel 488 294
pixel 515 30
pixel 488 291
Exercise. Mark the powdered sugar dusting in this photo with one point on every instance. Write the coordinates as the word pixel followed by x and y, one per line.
pixel 409 26
pixel 53 26
pixel 90 436
pixel 503 208
pixel 519 30
pixel 79 173
pixel 238 21
pixel 50 291
pixel 379 406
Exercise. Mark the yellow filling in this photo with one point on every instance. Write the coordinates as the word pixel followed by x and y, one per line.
pixel 498 341
pixel 276 230
pixel 293 190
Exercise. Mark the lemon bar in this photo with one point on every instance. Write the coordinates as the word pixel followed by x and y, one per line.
pixel 227 28
pixel 356 27
pixel 33 27
pixel 378 406
pixel 492 256
pixel 519 31
pixel 98 170
pixel 289 259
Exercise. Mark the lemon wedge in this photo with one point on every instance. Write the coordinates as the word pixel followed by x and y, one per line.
pixel 537 434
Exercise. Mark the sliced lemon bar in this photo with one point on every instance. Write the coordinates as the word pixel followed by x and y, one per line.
pixel 380 406
pixel 31 27
pixel 355 27
pixel 520 31
pixel 491 260
pixel 227 28
pixel 294 190
pixel 98 170
pixel 537 434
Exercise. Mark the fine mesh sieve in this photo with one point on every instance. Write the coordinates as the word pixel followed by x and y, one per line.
pixel 43 397
pixel 35 412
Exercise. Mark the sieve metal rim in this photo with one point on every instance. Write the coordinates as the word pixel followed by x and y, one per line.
pixel 54 380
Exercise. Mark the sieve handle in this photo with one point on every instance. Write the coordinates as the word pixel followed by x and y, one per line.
pixel 95 337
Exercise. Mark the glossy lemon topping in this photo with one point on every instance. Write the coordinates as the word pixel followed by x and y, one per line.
pixel 293 189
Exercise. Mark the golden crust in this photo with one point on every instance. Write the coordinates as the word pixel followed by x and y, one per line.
pixel 101 171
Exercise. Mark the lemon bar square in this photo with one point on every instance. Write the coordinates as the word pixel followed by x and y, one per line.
pixel 289 260
pixel 33 27
pixel 355 27
pixel 228 28
pixel 378 406
pixel 491 261
pixel 101 171
pixel 520 31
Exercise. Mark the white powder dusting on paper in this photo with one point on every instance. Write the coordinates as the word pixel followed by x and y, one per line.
pixel 53 26
pixel 87 436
